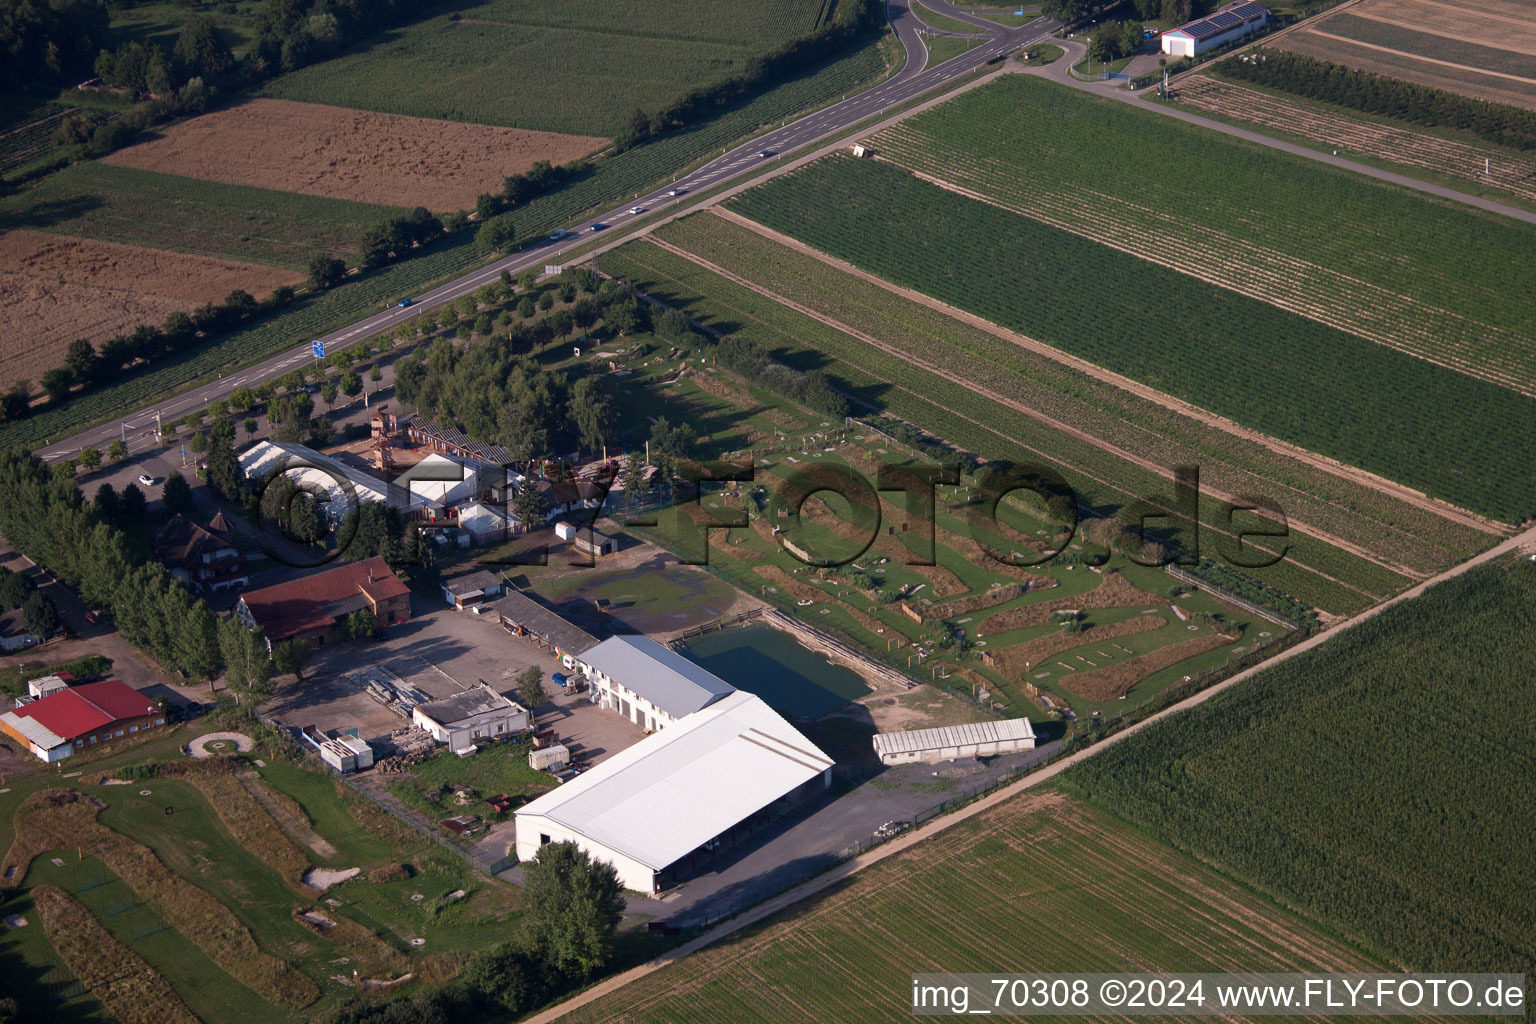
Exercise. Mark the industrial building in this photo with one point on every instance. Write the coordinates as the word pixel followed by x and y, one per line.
pixel 975 739
pixel 659 809
pixel 1231 22
pixel 477 713
pixel 522 616
pixel 308 608
pixel 80 718
pixel 649 683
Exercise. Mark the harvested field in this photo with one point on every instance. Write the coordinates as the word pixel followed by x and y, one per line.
pixel 340 153
pixel 1483 50
pixel 135 992
pixel 1077 884
pixel 1353 133
pixel 60 288
pixel 1115 681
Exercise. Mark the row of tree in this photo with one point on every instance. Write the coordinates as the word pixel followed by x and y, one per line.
pixel 1172 12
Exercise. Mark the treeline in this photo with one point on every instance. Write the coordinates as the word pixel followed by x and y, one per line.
pixel 1387 97
pixel 49 40
pixel 748 359
pixel 856 19
pixel 517 189
pixel 85 366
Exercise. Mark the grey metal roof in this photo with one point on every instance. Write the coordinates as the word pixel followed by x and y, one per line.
pixel 544 622
pixel 476 701
pixel 470 581
pixel 657 673
pixel 953 736
pixel 33 730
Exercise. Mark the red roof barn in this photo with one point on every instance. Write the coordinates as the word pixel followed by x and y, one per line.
pixel 80 717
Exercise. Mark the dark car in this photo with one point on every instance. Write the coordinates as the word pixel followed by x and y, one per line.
pixel 407 301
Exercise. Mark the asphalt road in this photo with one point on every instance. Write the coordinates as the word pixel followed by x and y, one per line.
pixel 911 81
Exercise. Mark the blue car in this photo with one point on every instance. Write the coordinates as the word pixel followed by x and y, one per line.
pixel 407 301
pixel 597 227
pixel 559 677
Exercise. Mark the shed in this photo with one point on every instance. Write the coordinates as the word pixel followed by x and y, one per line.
pixel 471 588
pixel 564 530
pixel 590 542
pixel 947 743
pixel 43 686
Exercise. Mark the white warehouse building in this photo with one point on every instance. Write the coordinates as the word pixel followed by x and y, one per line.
pixel 649 683
pixel 976 739
pixel 666 804
pixel 1231 22
pixel 326 478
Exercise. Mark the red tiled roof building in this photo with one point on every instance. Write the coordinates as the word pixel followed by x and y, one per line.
pixel 308 608
pixel 81 717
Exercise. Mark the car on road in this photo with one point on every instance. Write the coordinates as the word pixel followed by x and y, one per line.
pixel 557 234
pixel 637 210
pixel 765 153
pixel 407 301
pixel 678 192
pixel 598 226
pixel 146 480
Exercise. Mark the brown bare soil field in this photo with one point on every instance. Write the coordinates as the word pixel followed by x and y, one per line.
pixel 1116 681
pixel 351 154
pixel 1506 169
pixel 1507 26
pixel 1409 68
pixel 59 288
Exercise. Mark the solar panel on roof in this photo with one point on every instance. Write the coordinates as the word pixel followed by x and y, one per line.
pixel 1225 21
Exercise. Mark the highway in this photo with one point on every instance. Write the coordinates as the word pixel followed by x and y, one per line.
pixel 909 82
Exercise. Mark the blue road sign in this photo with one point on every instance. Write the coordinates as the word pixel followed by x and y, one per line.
pixel 318 348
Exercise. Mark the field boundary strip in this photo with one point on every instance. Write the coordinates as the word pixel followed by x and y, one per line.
pixel 1041 417
pixel 1419 57
pixel 1520 542
pixel 1385 486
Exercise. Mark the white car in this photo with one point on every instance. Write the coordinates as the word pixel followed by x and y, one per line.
pixel 677 192
pixel 637 210
pixel 146 480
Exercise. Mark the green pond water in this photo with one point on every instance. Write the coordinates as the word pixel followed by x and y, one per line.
pixel 791 679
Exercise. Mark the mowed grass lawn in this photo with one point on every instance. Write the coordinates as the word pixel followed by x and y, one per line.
pixel 579 67
pixel 166 211
pixel 1042 883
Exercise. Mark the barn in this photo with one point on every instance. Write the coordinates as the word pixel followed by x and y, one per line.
pixel 649 683
pixel 666 805
pixel 947 743
pixel 78 718
pixel 1231 22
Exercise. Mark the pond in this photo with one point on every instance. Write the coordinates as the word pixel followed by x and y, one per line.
pixel 790 678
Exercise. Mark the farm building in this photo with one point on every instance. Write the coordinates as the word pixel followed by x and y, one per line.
pixel 1231 22
pixel 663 806
pixel 201 556
pixel 649 683
pixel 337 484
pixel 449 440
pixel 589 542
pixel 46 685
pixel 443 482
pixel 471 588
pixel 477 713
pixel 81 717
pixel 310 606
pixel 485 523
pixel 976 739
pixel 522 616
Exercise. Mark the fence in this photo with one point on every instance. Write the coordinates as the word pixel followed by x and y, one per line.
pixel 716 626
pixel 1229 597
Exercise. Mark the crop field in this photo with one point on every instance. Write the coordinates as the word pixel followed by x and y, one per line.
pixel 1341 781
pixel 204 218
pixel 203 897
pixel 26 132
pixel 1327 503
pixel 1042 882
pixel 59 289
pixel 1356 134
pixel 1479 49
pixel 357 155
pixel 614 179
pixel 1452 436
pixel 1436 279
pixel 989 424
pixel 577 68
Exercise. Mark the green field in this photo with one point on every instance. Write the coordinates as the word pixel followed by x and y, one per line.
pixel 578 67
pixel 166 211
pixel 1450 435
pixel 1038 884
pixel 159 22
pixel 954 412
pixel 1427 276
pixel 943 22
pixel 1382 783
pixel 943 48
pixel 1404 534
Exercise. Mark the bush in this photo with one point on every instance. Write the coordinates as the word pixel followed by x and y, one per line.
pixel 389 873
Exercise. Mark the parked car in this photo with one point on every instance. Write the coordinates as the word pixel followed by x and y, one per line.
pixel 146 480
pixel 407 301
pixel 559 677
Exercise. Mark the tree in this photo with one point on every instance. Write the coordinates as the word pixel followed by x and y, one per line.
pixel 508 976
pixel 352 384
pixel 525 308
pixel 326 272
pixel 57 383
pixel 80 360
pixel 14 588
pixel 117 451
pixel 291 656
pixel 572 907
pixel 668 440
pixel 177 494
pixel 304 520
pixel 589 410
pixel 39 614
pixel 530 688
pixel 633 482
pixel 15 403
pixel 223 471
pixel 89 457
pixel 241 399
pixel 131 505
pixel 375 374
pixel 64 469
pixel 107 505
pixel 328 393
pixel 496 234
pixel 250 427
pixel 546 303
pixel 247 665
pixel 528 505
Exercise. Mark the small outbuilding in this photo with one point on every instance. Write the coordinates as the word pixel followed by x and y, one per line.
pixel 950 742
pixel 589 542
pixel 477 713
pixel 471 588
pixel 44 685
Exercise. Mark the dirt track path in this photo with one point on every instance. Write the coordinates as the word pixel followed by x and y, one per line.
pixel 1041 417
pixel 1523 542
pixel 1359 476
